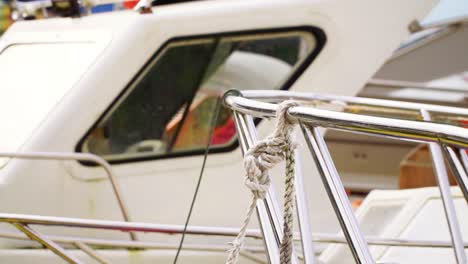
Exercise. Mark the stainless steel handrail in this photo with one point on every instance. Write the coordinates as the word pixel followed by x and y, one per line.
pixel 87 244
pixel 383 241
pixel 272 95
pixel 464 158
pixel 121 226
pixel 446 195
pixel 174 229
pixel 305 225
pixel 80 157
pixel 119 243
pixel 24 222
pixel 437 135
pixel 448 136
pixel 316 237
pixel 336 193
pixel 395 128
pixel 336 99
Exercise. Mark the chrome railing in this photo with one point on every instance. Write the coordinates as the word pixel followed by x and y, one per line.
pixel 443 139
pixel 58 244
pixel 57 156
pixel 418 109
pixel 24 223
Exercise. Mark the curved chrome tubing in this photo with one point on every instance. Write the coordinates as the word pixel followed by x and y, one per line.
pixel 391 127
pixel 442 139
pixel 24 222
pixel 80 157
pixel 449 136
pixel 86 244
pixel 275 96
pixel 120 226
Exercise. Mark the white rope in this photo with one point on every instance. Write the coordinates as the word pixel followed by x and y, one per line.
pixel 258 160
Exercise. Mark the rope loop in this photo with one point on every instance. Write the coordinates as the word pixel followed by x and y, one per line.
pixel 258 160
pixel 268 152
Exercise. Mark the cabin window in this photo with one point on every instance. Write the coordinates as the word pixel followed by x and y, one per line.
pixel 168 109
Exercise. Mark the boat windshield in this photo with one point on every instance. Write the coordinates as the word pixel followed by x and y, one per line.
pixel 33 82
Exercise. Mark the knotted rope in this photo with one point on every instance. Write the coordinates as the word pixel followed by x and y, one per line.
pixel 258 160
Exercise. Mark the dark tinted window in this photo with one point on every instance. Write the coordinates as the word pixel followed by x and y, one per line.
pixel 170 107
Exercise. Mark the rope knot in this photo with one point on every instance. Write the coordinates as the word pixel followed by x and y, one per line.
pixel 261 158
pixel 268 152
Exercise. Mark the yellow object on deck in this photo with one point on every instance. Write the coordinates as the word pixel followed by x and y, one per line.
pixel 5 17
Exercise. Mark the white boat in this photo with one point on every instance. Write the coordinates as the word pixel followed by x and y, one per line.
pixel 106 120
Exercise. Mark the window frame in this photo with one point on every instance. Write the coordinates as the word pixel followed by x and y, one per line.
pixel 317 33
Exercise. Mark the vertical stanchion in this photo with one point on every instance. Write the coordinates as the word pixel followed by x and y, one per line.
pixel 270 234
pixel 464 158
pixel 337 195
pixel 302 213
pixel 458 170
pixel 449 208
